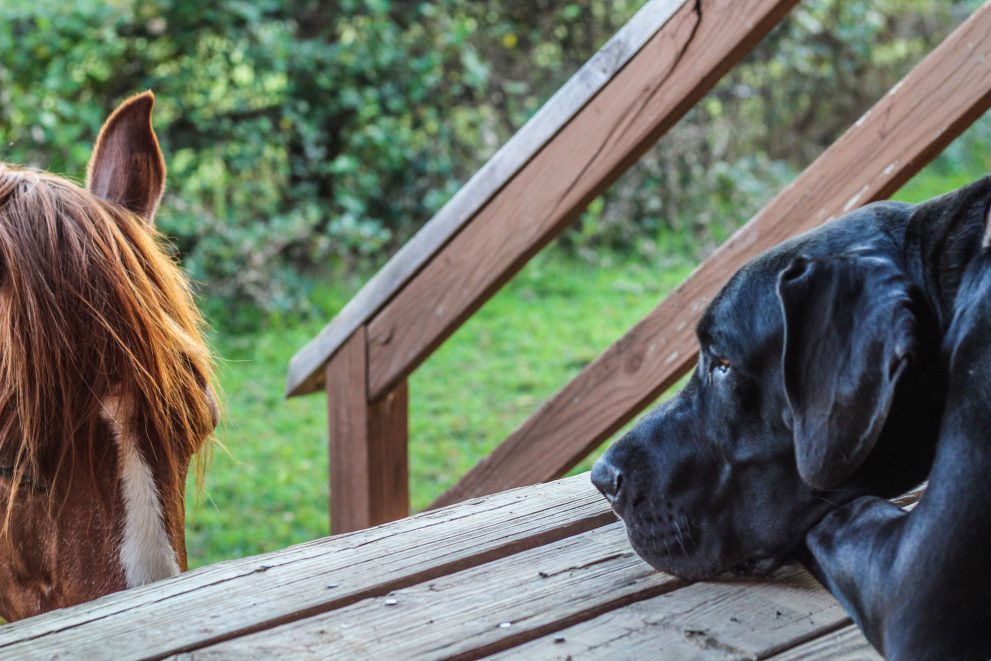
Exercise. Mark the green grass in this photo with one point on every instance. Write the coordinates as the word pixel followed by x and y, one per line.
pixel 269 489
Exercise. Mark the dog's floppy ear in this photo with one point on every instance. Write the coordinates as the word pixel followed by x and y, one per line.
pixel 127 166
pixel 849 331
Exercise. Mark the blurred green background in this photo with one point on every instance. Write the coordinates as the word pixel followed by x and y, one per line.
pixel 307 140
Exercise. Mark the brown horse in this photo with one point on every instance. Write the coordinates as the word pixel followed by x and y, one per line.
pixel 105 380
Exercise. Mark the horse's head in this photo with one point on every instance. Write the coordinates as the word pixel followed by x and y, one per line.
pixel 105 388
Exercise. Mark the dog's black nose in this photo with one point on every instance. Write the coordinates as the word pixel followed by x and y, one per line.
pixel 607 478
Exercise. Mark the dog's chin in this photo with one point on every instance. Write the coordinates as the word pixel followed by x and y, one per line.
pixel 682 562
pixel 697 566
pixel 756 567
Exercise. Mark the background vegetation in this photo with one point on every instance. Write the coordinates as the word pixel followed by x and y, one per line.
pixel 307 140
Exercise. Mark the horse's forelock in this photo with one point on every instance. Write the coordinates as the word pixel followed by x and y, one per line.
pixel 91 306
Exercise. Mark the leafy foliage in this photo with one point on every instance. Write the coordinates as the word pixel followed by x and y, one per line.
pixel 297 132
pixel 303 134
pixel 311 138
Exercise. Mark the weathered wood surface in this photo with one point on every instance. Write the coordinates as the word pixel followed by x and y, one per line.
pixel 668 76
pixel 369 481
pixel 704 620
pixel 534 572
pixel 238 597
pixel 306 367
pixel 465 614
pixel 593 579
pixel 586 596
pixel 847 644
pixel 933 104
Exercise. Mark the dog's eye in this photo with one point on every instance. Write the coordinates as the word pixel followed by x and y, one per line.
pixel 720 367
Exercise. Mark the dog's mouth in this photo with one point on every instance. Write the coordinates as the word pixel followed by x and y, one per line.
pixel 756 567
pixel 669 541
pixel 661 556
pixel 666 539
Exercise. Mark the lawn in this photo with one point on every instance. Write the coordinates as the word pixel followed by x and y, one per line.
pixel 267 488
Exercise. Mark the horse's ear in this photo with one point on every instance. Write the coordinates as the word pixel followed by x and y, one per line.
pixel 849 333
pixel 127 166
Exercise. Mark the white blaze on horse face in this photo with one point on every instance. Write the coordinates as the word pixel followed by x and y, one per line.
pixel 145 551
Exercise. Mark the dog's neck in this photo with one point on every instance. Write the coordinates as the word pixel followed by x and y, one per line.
pixel 940 243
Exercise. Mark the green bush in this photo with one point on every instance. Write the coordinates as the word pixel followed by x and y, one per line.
pixel 305 135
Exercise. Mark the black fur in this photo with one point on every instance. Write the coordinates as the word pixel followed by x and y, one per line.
pixel 836 370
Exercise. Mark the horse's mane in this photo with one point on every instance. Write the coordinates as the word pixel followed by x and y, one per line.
pixel 91 307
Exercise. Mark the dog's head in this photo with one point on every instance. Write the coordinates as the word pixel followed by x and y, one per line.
pixel 815 383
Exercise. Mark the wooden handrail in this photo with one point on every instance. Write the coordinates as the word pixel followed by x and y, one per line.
pixel 675 68
pixel 670 54
pixel 907 128
pixel 618 105
pixel 306 368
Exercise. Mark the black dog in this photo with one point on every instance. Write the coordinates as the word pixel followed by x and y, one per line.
pixel 840 368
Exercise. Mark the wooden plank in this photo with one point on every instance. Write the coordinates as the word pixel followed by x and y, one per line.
pixel 713 620
pixel 593 579
pixel 923 113
pixel 709 620
pixel 847 644
pixel 665 79
pixel 369 481
pixel 466 613
pixel 306 367
pixel 238 597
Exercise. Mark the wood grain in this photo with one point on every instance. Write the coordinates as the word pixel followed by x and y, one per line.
pixel 847 644
pixel 306 367
pixel 933 104
pixel 594 580
pixel 711 620
pixel 238 597
pixel 544 558
pixel 369 481
pixel 460 615
pixel 661 83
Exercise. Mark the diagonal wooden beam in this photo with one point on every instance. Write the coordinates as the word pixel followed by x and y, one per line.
pixel 907 128
pixel 673 70
pixel 306 367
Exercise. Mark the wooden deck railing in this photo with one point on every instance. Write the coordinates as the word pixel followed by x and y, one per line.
pixel 604 118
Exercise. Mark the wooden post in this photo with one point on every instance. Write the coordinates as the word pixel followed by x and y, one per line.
pixel 369 482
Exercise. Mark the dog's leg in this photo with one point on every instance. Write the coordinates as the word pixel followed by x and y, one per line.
pixel 866 528
pixel 918 583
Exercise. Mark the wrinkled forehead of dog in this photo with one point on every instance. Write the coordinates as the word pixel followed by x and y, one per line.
pixel 749 298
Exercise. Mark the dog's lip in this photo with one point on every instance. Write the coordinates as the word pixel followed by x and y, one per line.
pixel 620 505
pixel 671 558
pixel 756 566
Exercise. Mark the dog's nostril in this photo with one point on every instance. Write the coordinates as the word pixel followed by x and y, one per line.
pixel 607 478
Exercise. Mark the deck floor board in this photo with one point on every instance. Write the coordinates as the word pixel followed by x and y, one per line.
pixel 238 597
pixel 591 589
pixel 538 572
pixel 846 644
pixel 710 620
